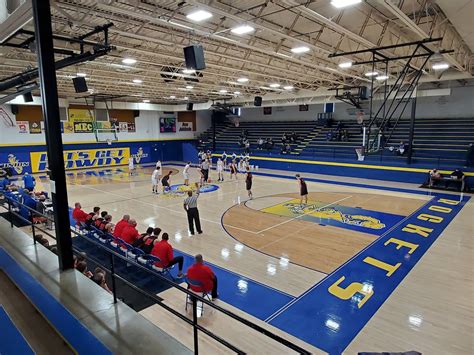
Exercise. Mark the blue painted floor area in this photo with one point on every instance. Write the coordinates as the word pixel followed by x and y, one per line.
pixel 77 336
pixel 12 341
pixel 331 314
pixel 236 290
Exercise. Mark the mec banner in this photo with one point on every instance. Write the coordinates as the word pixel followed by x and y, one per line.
pixel 81 159
pixel 83 127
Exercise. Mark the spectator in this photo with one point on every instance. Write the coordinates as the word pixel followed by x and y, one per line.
pixel 260 143
pixel 150 241
pixel 457 175
pixel 99 279
pixel 284 138
pixel 339 125
pixel 130 234
pixel 109 228
pixel 5 183
pixel 294 137
pixel 98 222
pixel 92 216
pixel 401 148
pixel 204 275
pixel 435 176
pixel 270 143
pixel 106 221
pixel 120 226
pixel 139 242
pixel 29 182
pixel 81 266
pixel 79 215
pixel 164 251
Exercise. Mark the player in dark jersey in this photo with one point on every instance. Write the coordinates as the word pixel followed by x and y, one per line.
pixel 165 182
pixel 233 169
pixel 248 182
pixel 303 190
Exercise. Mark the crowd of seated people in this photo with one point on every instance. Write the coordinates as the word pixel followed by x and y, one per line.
pixel 339 134
pixel 456 178
pixel 158 250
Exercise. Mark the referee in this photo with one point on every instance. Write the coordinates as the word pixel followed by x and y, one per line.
pixel 190 206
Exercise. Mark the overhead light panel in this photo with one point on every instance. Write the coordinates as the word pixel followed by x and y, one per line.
pixel 223 91
pixel 440 66
pixel 344 3
pixel 186 98
pixel 137 81
pixel 172 97
pixel 188 71
pixel 236 92
pixel 146 101
pixel 299 50
pixel 288 87
pixel 371 73
pixel 274 85
pixel 241 30
pixel 82 75
pixel 189 87
pixel 199 15
pixel 382 77
pixel 345 65
pixel 129 61
pixel 243 79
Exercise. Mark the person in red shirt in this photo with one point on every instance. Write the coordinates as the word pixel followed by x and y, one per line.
pixel 121 225
pixel 204 275
pixel 164 251
pixel 130 233
pixel 79 215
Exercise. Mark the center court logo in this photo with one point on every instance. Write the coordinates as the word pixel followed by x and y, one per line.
pixel 182 189
pixel 14 163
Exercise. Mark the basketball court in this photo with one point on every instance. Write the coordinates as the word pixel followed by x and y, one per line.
pixel 280 264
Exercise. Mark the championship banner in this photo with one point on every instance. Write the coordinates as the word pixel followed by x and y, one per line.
pixel 131 126
pixel 185 126
pixel 80 159
pixel 83 127
pixel 123 126
pixel 68 127
pixel 80 114
pixel 35 127
pixel 23 126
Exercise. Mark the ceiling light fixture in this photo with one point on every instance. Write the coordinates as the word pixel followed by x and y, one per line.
pixel 440 66
pixel 199 15
pixel 129 61
pixel 186 98
pixel 241 30
pixel 137 81
pixel 188 71
pixel 223 91
pixel 345 65
pixel 82 75
pixel 274 85
pixel 301 49
pixel 371 73
pixel 381 77
pixel 288 87
pixel 236 92
pixel 344 3
pixel 189 87
pixel 172 97
pixel 146 101
pixel 243 79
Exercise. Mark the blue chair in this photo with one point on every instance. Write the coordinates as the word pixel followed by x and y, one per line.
pixel 165 271
pixel 203 294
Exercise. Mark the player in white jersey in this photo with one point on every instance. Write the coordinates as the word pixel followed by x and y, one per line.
pixel 131 166
pixel 186 173
pixel 220 170
pixel 158 165
pixel 155 179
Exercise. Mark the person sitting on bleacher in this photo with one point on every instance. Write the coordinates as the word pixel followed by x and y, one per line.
pixel 294 137
pixel 92 216
pixel 164 251
pixel 401 148
pixel 434 177
pixel 139 242
pixel 99 278
pixel 99 220
pixel 5 183
pixel 106 221
pixel 149 242
pixel 457 175
pixel 284 138
pixel 109 228
pixel 130 232
pixel 120 226
pixel 204 275
pixel 29 182
pixel 260 143
pixel 270 143
pixel 79 215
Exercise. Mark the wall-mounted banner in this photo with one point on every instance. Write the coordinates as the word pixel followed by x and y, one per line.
pixel 18 163
pixel 267 110
pixel 83 127
pixel 141 155
pixel 185 126
pixel 80 114
pixel 80 159
pixel 131 127
pixel 23 126
pixel 35 127
pixel 68 127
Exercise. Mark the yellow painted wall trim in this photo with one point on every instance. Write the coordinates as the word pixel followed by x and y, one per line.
pixel 92 142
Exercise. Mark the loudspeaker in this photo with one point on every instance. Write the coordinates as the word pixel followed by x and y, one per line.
pixel 14 109
pixel 194 57
pixel 28 97
pixel 257 101
pixel 136 113
pixel 80 84
pixel 189 106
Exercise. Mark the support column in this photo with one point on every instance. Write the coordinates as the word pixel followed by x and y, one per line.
pixel 412 128
pixel 52 124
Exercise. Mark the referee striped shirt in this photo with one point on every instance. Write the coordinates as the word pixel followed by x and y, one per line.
pixel 191 201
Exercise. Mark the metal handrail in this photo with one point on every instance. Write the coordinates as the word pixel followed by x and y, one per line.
pixel 195 298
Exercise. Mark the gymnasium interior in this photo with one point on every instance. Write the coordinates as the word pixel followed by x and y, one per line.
pixel 236 177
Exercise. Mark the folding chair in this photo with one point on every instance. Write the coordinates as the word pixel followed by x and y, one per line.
pixel 203 293
pixel 152 259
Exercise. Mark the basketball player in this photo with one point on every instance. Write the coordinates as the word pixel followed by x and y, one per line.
pixel 158 165
pixel 155 176
pixel 131 166
pixel 233 169
pixel 224 158
pixel 165 182
pixel 186 173
pixel 303 190
pixel 248 182
pixel 220 170
pixel 205 170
